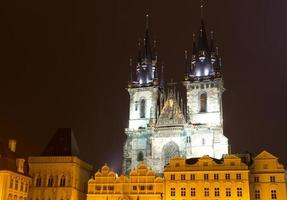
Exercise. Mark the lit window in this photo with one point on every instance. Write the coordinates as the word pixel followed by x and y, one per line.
pixel 216 192
pixel 192 192
pixel 182 177
pixel 238 176
pixel 273 194
pixel 203 102
pixel 257 194
pixel 227 176
pixel 172 192
pixel 206 192
pixel 228 192
pixel 239 192
pixel 172 177
pixel 182 192
pixel 63 181
pixel 192 177
pixel 205 177
pixel 142 108
pixel 216 177
pixel 272 179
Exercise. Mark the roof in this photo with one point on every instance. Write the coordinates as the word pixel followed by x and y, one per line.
pixel 63 143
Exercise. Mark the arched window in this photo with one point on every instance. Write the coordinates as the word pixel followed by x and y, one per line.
pixel 38 181
pixel 169 151
pixel 140 156
pixel 142 108
pixel 50 181
pixel 203 102
pixel 63 181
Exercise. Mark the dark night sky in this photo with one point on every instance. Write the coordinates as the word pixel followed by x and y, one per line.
pixel 65 64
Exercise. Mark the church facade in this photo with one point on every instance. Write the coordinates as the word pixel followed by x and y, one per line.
pixel 162 124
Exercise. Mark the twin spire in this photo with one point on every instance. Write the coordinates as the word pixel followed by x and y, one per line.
pixel 205 63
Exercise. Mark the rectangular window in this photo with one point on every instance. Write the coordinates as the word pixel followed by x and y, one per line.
pixel 98 187
pixel 172 177
pixel 216 177
pixel 228 192
pixel 142 187
pixel 136 105
pixel 205 177
pixel 182 192
pixel 206 192
pixel 22 186
pixel 150 187
pixel 192 177
pixel 273 194
pixel 11 183
pixel 192 192
pixel 257 194
pixel 256 179
pixel 216 192
pixel 239 192
pixel 16 185
pixel 134 187
pixel 111 187
pixel 182 177
pixel 104 187
pixel 238 176
pixel 172 192
pixel 227 176
pixel 272 179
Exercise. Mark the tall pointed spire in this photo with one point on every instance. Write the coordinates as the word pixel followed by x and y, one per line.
pixel 186 65
pixel 202 40
pixel 147 52
pixel 162 76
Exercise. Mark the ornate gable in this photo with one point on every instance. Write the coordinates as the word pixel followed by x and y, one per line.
pixel 171 113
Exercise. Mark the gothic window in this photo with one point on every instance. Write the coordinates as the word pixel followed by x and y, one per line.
pixel 170 150
pixel 63 181
pixel 142 108
pixel 203 102
pixel 140 156
pixel 50 181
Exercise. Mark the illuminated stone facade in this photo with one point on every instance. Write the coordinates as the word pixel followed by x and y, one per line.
pixel 14 180
pixel 58 174
pixel 142 183
pixel 163 125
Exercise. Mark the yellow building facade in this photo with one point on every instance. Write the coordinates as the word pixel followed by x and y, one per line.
pixel 207 178
pixel 14 181
pixel 267 178
pixel 141 184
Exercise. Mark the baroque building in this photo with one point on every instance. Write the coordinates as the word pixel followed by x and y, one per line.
pixel 59 173
pixel 161 124
pixel 14 179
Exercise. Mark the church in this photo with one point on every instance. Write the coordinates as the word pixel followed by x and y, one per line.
pixel 162 124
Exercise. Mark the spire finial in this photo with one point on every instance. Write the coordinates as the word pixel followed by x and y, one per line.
pixel 201 8
pixel 146 21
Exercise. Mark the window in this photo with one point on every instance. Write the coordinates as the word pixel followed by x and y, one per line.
pixel 227 176
pixel 22 186
pixel 205 177
pixel 182 177
pixel 182 192
pixel 206 192
pixel 203 102
pixel 134 187
pixel 192 177
pixel 216 192
pixel 63 181
pixel 257 194
pixel 11 183
pixel 50 181
pixel 192 192
pixel 38 181
pixel 272 179
pixel 172 192
pixel 256 179
pixel 136 105
pixel 98 187
pixel 140 156
pixel 238 176
pixel 149 187
pixel 228 192
pixel 273 194
pixel 172 177
pixel 188 140
pixel 16 184
pixel 142 108
pixel 216 177
pixel 104 187
pixel 239 192
pixel 142 187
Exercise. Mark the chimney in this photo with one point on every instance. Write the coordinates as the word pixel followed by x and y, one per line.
pixel 12 145
pixel 20 165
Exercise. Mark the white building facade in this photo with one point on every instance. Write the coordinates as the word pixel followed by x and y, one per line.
pixel 161 123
